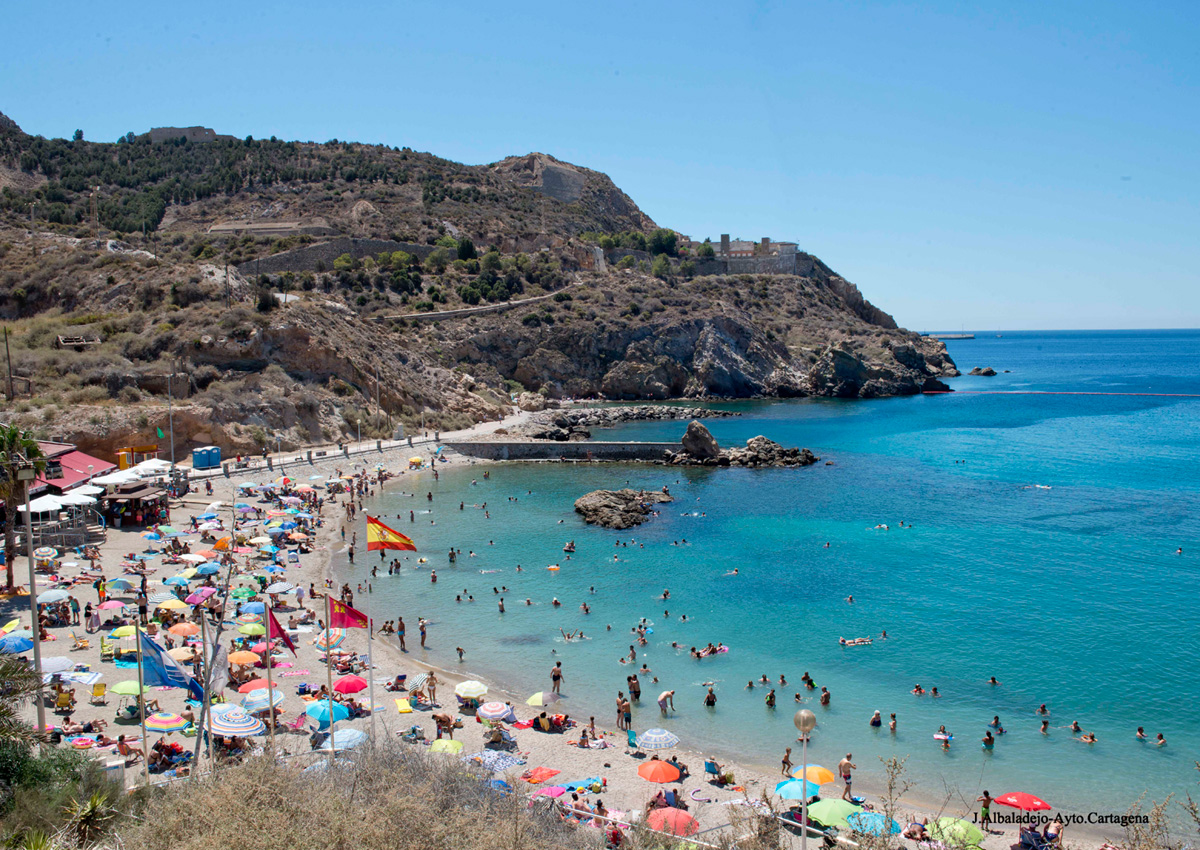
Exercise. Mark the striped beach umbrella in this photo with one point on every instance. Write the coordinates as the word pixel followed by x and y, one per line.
pixel 471 689
pixel 249 619
pixel 117 584
pixel 493 711
pixel 335 638
pixel 256 700
pixel 45 553
pixel 281 587
pixel 165 721
pixel 233 720
pixel 657 739
pixel 161 596
pixel 417 682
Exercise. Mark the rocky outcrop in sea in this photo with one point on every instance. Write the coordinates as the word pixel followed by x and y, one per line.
pixel 619 508
pixel 574 424
pixel 700 448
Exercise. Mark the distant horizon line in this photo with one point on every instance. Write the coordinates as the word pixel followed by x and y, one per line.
pixel 1053 330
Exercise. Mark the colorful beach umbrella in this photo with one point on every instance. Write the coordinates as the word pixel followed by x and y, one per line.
pixel 166 721
pixel 252 685
pixel 110 605
pixel 954 831
pixel 200 595
pixel 13 644
pixel 873 823
pixel 125 632
pixel 673 821
pixel 172 604
pixel 657 770
pixel 242 593
pixel 493 711
pixel 253 629
pixel 350 684
pixel 445 745
pixel 117 584
pixel 128 688
pixel 471 689
pixel 814 773
pixel 797 789
pixel 543 698
pixel 253 608
pixel 832 812
pixel 45 553
pixel 335 638
pixel 321 709
pixel 243 656
pixel 175 581
pixel 184 629
pixel 256 700
pixel 1023 801
pixel 233 720
pixel 656 739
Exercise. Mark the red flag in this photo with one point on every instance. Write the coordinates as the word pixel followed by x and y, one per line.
pixel 274 630
pixel 342 616
pixel 379 536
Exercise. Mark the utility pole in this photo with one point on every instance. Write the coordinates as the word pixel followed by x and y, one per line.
pixel 8 354
pixel 26 474
pixel 171 416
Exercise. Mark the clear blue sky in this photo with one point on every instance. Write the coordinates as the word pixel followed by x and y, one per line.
pixel 1029 166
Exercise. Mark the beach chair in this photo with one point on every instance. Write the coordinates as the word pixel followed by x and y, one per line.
pixel 99 694
pixel 106 650
pixel 64 703
pixel 297 725
pixel 631 738
pixel 79 643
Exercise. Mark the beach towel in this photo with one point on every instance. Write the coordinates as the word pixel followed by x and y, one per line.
pixel 524 724
pixel 494 761
pixel 293 672
pixel 403 707
pixel 539 774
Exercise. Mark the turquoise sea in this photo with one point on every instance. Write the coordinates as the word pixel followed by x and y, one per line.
pixel 1042 551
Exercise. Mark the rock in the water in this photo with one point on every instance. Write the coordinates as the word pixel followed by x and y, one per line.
pixel 986 371
pixel 759 452
pixel 699 442
pixel 618 508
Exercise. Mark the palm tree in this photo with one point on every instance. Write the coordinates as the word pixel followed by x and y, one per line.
pixel 16 446
pixel 18 683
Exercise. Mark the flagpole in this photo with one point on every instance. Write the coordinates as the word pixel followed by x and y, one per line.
pixel 329 680
pixel 270 687
pixel 371 660
pixel 142 702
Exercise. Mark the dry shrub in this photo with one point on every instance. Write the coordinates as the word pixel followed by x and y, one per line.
pixel 385 799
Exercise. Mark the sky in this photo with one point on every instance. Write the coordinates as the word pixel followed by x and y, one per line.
pixel 1005 165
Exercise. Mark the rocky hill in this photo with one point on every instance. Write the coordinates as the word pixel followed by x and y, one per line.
pixel 417 291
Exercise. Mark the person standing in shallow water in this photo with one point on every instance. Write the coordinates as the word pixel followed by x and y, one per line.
pixel 556 677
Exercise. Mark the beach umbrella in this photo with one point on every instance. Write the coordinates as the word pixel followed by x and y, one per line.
pixel 184 629
pixel 117 584
pixel 176 581
pixel 657 770
pixel 233 720
pixel 128 688
pixel 151 535
pixel 145 556
pixel 189 573
pixel 208 526
pixel 814 773
pixel 270 550
pixel 336 636
pixel 797 789
pixel 166 721
pixel 21 633
pixel 543 698
pixel 873 823
pixel 247 619
pixel 656 739
pixel 252 685
pixel 14 623
pixel 253 608
pixel 12 644
pixel 110 604
pixel 224 544
pixel 253 629
pixel 208 553
pixel 161 596
pixel 193 558
pixel 172 604
pixel 673 821
pixel 832 812
pixel 207 570
pixel 56 664
pixel 445 745
pixel 125 631
pixel 242 593
pixel 207 515
pixel 273 568
pixel 321 709
pixel 200 595
pixel 350 684
pixel 417 682
pixel 52 596
pixel 954 831
pixel 167 529
pixel 283 481
pixel 1023 801
pixel 260 539
pixel 181 653
pixel 256 700
pixel 243 656
pixel 45 553
pixel 281 587
pixel 347 740
pixel 493 711
pixel 471 689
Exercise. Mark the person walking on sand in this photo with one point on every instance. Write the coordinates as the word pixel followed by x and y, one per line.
pixel 556 677
pixel 844 768
pixel 666 698
pixel 787 761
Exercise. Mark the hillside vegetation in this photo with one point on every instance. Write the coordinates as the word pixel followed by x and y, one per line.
pixel 366 241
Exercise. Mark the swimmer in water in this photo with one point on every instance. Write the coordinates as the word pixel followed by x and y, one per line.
pixel 1042 709
pixel 992 681
pixel 1045 727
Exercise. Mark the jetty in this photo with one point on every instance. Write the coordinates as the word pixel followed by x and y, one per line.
pixel 949 336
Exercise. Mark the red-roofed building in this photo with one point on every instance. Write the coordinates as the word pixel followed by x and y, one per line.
pixel 77 468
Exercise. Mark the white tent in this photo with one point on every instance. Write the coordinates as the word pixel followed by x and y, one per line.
pixel 153 466
pixel 123 476
pixel 43 504
pixel 76 499
pixel 89 490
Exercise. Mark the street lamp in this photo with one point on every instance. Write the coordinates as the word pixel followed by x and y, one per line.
pixel 805 721
pixel 27 474
pixel 358 427
pixel 279 449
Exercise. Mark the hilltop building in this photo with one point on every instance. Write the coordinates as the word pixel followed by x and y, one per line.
pixel 192 134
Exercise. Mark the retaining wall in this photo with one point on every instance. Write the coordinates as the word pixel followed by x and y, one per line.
pixel 549 450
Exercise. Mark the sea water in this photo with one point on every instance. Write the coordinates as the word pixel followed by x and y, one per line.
pixel 1039 547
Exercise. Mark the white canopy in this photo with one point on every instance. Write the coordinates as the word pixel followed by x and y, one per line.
pixel 123 476
pixel 154 466
pixel 43 504
pixel 89 490
pixel 75 498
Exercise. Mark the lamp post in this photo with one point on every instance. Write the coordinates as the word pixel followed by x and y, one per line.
pixel 358 428
pixel 805 721
pixel 26 474
pixel 279 449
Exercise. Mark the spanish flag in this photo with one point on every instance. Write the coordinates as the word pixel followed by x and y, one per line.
pixel 379 536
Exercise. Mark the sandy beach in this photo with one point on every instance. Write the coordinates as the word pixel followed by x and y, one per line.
pixel 615 763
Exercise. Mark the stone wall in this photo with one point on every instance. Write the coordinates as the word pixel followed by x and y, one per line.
pixel 787 263
pixel 541 450
pixel 306 257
